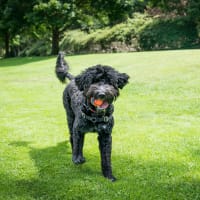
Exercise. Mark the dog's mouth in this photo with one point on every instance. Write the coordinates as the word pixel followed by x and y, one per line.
pixel 99 103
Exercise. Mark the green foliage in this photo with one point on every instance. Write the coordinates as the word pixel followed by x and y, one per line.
pixel 39 48
pixel 169 34
pixel 138 33
pixel 54 13
pixel 193 11
pixel 117 11
pixel 12 21
pixel 12 15
pixel 168 5
pixel 155 153
pixel 110 25
pixel 88 22
pixel 125 33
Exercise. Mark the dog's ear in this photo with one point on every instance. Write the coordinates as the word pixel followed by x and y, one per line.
pixel 122 80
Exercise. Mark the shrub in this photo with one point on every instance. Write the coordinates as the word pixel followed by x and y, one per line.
pixel 138 33
pixel 124 35
pixel 168 34
pixel 37 48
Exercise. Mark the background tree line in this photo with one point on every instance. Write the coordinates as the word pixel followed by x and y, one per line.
pixel 23 23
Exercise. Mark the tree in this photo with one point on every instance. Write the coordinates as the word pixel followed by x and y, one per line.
pixel 89 17
pixel 176 6
pixel 193 11
pixel 6 24
pixel 56 16
pixel 117 11
pixel 12 20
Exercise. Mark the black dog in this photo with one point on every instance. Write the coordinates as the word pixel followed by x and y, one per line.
pixel 88 102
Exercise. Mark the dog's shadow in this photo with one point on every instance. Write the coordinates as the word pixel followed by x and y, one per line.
pixel 55 171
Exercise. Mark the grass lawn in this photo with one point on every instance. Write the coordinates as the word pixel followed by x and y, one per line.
pixel 156 137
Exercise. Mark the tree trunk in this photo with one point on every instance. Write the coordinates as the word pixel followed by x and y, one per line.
pixel 7 44
pixel 55 41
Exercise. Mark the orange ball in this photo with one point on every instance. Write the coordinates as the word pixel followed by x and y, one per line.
pixel 98 102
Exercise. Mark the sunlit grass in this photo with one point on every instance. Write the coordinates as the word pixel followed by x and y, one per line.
pixel 156 137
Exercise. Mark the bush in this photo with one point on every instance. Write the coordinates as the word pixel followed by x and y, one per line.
pixel 121 37
pixel 168 34
pixel 37 48
pixel 138 33
pixel 141 32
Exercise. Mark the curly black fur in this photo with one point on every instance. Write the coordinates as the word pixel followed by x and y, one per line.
pixel 88 102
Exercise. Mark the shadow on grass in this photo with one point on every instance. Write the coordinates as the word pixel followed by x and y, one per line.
pixel 55 174
pixel 18 61
pixel 58 178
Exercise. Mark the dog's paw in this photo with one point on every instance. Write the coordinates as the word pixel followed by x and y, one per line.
pixel 78 160
pixel 110 177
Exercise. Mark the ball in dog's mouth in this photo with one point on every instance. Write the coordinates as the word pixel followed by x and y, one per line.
pixel 100 103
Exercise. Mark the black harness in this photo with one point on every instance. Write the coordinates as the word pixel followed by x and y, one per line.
pixel 95 119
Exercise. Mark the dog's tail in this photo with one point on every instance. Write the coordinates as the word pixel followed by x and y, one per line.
pixel 62 68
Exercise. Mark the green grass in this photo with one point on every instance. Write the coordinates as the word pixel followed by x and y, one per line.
pixel 156 137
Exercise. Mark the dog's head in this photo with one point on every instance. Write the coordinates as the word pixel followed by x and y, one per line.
pixel 101 84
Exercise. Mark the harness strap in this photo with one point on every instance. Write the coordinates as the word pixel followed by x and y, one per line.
pixel 95 119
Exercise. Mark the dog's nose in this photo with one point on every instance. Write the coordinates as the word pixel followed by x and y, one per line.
pixel 101 95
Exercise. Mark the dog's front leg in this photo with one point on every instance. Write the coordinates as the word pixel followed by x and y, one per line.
pixel 105 146
pixel 77 147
